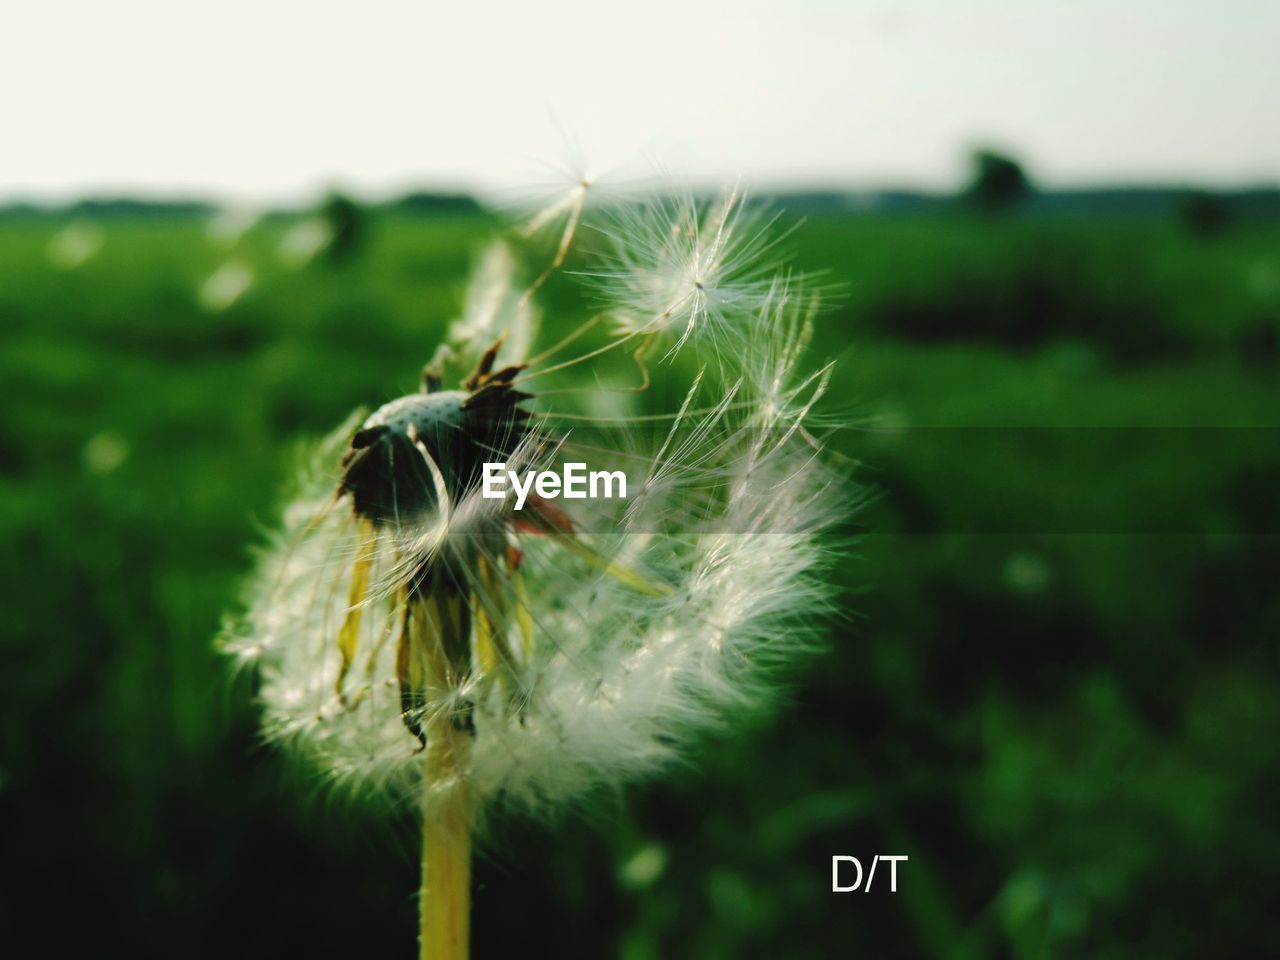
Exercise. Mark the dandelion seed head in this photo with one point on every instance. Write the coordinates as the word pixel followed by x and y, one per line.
pixel 422 412
pixel 571 646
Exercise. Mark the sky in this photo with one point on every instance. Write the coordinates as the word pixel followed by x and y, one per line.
pixel 261 99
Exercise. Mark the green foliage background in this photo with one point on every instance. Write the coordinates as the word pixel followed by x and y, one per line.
pixel 1053 685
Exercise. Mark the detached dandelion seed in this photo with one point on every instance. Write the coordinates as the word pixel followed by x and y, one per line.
pixel 687 268
pixel 416 639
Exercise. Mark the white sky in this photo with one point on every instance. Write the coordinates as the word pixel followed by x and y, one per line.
pixel 261 99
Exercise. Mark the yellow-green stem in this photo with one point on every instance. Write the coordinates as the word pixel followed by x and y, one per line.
pixel 445 909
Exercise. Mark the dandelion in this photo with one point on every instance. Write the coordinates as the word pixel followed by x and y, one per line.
pixel 423 641
pixel 229 225
pixel 105 452
pixel 303 241
pixel 225 286
pixel 75 244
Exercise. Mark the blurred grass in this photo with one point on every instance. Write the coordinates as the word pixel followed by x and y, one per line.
pixel 1052 686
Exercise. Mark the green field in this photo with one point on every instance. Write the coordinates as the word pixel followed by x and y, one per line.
pixel 1052 683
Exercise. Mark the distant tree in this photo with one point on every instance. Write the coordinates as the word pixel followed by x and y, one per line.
pixel 998 181
pixel 134 208
pixel 427 203
pixel 347 227
pixel 1204 214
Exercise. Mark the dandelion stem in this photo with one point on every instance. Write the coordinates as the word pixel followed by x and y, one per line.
pixel 445 915
pixel 445 908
